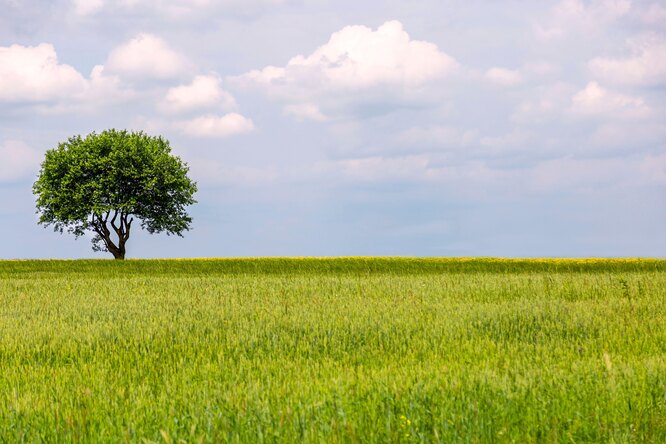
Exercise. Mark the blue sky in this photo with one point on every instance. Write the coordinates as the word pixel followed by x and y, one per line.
pixel 320 127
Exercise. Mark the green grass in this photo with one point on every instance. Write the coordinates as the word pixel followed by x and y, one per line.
pixel 333 350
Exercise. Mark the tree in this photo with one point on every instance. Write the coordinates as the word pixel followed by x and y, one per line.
pixel 102 182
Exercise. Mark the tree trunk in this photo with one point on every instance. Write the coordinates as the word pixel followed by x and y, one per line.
pixel 117 252
pixel 122 231
pixel 120 252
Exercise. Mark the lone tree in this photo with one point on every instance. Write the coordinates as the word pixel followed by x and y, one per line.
pixel 102 182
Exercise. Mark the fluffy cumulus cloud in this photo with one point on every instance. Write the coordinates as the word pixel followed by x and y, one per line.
pixel 595 100
pixel 645 66
pixel 356 67
pixel 147 56
pixel 33 73
pixel 19 161
pixel 204 92
pixel 216 126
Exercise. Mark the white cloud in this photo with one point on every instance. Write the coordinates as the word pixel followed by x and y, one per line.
pixel 504 77
pixel 356 67
pixel 204 92
pixel 18 161
pixel 595 100
pixel 646 66
pixel 216 126
pixel 578 15
pixel 535 70
pixel 305 111
pixel 104 87
pixel 146 56
pixel 33 74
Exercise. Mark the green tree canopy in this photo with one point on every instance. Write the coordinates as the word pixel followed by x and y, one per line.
pixel 103 182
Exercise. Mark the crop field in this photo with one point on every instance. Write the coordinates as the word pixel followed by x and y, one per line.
pixel 333 350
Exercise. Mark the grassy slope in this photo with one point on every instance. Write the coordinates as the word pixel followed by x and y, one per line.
pixel 333 350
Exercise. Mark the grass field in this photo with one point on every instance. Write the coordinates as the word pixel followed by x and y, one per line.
pixel 333 350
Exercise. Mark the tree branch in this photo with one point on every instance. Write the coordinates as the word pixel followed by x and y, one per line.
pixel 113 220
pixel 128 226
pixel 115 228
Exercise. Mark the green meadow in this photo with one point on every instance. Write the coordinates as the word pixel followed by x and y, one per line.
pixel 333 350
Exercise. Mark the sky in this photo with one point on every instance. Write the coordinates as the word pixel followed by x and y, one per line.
pixel 336 127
